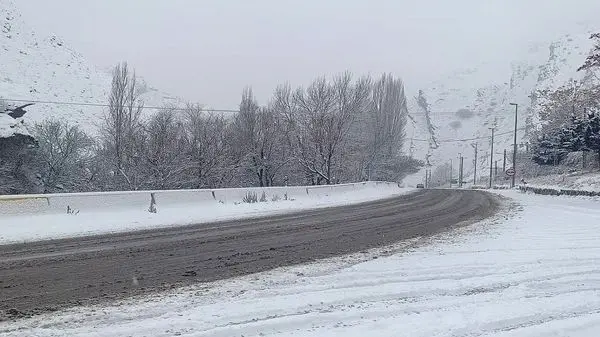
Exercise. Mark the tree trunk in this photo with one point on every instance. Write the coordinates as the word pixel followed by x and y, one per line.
pixel 261 177
pixel 329 157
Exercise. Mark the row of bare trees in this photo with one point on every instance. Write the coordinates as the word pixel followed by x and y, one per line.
pixel 332 131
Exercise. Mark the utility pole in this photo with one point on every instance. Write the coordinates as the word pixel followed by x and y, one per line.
pixel 514 162
pixel 429 179
pixel 495 170
pixel 459 170
pixel 491 157
pixel 584 153
pixel 504 162
pixel 451 173
pixel 475 166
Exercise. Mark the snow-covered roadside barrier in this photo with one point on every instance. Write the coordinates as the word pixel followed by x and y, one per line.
pixel 37 217
pixel 554 191
pixel 36 204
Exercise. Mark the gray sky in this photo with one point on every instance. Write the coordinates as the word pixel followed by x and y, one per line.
pixel 208 50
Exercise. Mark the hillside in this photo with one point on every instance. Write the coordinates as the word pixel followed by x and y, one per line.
pixel 34 67
pixel 453 114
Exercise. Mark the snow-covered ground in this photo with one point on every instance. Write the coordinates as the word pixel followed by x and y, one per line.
pixel 532 271
pixel 45 226
pixel 588 181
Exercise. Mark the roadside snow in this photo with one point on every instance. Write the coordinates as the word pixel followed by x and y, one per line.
pixel 534 273
pixel 588 181
pixel 46 226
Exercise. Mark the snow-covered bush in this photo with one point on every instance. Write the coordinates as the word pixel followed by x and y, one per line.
pixel 250 198
pixel 465 114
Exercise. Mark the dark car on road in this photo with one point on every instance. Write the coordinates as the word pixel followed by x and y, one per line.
pixel 420 186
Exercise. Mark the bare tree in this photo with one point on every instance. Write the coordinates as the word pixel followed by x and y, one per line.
pixel 441 175
pixel 258 134
pixel 17 164
pixel 65 153
pixel 209 159
pixel 383 127
pixel 165 151
pixel 284 107
pixel 312 119
pixel 122 130
pixel 320 118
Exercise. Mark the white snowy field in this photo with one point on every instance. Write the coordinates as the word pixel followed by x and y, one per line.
pixel 532 271
pixel 19 228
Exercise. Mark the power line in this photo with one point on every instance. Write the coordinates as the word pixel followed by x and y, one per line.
pixel 433 113
pixel 106 105
pixel 233 111
pixel 466 139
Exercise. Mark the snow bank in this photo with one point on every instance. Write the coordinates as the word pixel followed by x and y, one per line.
pixel 588 181
pixel 36 217
pixel 533 274
pixel 557 191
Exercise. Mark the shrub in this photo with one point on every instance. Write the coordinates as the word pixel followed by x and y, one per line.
pixel 465 113
pixel 250 198
pixel 72 211
pixel 455 125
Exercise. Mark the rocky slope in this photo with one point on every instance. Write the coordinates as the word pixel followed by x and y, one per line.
pixel 34 67
pixel 452 115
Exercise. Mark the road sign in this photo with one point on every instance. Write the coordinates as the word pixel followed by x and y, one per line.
pixel 510 172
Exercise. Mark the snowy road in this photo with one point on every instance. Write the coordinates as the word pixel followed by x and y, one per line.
pixel 42 276
pixel 533 273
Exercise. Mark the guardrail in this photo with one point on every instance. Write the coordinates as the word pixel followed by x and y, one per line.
pixel 557 191
pixel 114 201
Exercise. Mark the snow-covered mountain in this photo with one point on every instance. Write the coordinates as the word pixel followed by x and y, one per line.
pixel 35 67
pixel 452 115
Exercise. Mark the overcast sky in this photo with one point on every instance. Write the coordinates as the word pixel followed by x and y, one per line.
pixel 208 50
